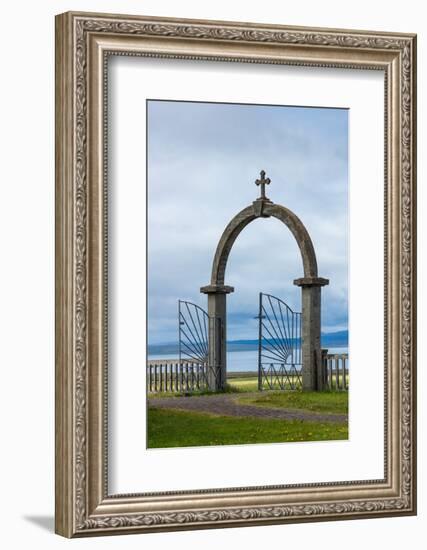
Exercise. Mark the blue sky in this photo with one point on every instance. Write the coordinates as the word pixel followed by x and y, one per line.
pixel 203 159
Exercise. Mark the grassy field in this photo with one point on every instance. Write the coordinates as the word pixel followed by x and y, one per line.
pixel 320 402
pixel 237 385
pixel 234 385
pixel 172 428
pixel 168 428
pixel 249 384
pixel 243 384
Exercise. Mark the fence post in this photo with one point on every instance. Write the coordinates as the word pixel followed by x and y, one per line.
pixel 323 369
pixel 344 374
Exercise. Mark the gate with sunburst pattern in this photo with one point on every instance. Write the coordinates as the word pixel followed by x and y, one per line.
pixel 196 328
pixel 279 347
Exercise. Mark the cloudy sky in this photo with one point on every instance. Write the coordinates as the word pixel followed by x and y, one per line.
pixel 203 160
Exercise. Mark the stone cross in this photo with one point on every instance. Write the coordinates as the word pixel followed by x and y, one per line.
pixel 263 182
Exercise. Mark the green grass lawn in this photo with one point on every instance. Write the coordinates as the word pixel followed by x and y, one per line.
pixel 174 428
pixel 167 428
pixel 234 385
pixel 243 384
pixel 320 402
pixel 249 384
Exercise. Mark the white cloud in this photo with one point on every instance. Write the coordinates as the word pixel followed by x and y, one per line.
pixel 203 160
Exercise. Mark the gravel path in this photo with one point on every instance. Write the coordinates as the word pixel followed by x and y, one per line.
pixel 227 405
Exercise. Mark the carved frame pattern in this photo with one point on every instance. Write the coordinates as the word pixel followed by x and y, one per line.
pixel 83 506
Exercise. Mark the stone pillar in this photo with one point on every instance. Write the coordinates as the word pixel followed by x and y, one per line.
pixel 217 349
pixel 312 379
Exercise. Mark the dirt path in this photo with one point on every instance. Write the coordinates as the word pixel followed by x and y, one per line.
pixel 227 405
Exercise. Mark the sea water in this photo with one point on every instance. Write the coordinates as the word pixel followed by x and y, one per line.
pixel 238 361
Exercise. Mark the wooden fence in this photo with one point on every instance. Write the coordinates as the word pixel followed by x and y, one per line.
pixel 187 376
pixel 172 376
pixel 335 367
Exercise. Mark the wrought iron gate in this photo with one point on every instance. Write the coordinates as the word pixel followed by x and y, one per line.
pixel 196 328
pixel 279 347
pixel 193 332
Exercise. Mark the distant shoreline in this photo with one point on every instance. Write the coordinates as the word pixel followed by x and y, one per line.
pixel 331 340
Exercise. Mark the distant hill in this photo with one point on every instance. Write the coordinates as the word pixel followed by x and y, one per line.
pixel 330 339
pixel 335 339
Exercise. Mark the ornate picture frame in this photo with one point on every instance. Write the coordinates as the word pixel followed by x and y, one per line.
pixel 84 506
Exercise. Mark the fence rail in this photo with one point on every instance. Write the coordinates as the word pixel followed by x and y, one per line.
pixel 335 367
pixel 189 376
pixel 186 376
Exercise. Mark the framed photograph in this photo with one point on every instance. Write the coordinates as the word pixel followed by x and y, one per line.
pixel 235 274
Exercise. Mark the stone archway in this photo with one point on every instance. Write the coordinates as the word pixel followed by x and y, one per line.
pixel 310 284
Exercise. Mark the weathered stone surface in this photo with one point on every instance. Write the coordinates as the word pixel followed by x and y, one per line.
pixel 216 289
pixel 312 378
pixel 217 351
pixel 310 290
pixel 311 281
